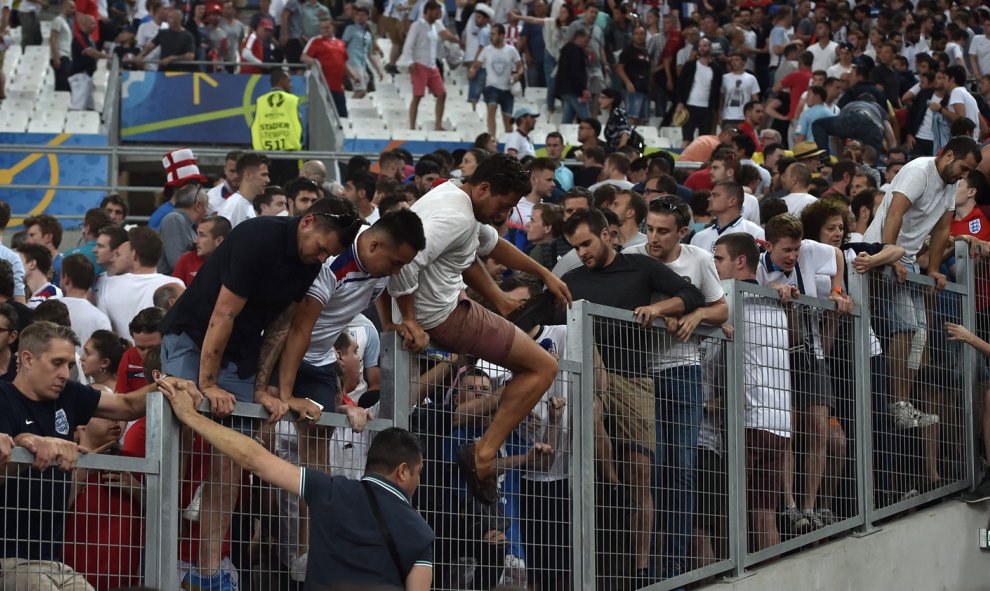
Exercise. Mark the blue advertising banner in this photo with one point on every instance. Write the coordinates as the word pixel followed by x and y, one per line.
pixel 194 107
pixel 46 168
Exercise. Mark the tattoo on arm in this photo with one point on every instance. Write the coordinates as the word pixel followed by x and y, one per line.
pixel 271 346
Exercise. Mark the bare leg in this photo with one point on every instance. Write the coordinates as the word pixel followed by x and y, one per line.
pixel 439 113
pixel 220 495
pixel 986 422
pixel 765 532
pixel 901 377
pixel 314 453
pixel 836 462
pixel 491 118
pixel 533 372
pixel 642 515
pixel 413 110
pixel 507 121
pixel 816 422
pixel 787 478
pixel 603 448
pixel 701 548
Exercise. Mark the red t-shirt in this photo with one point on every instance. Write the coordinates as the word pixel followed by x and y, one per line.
pixel 130 373
pixel 796 83
pixel 747 129
pixel 700 180
pixel 674 44
pixel 187 266
pixel 975 224
pixel 332 55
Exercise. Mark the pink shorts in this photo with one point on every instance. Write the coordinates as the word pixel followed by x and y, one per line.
pixel 423 78
pixel 472 329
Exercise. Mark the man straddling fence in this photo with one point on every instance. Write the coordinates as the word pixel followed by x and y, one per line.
pixel 367 531
pixel 428 294
pixel 213 335
pixel 41 409
pixel 627 282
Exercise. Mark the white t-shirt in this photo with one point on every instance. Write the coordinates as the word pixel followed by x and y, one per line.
pixel 824 57
pixel 454 239
pixel 796 202
pixel 824 285
pixel 961 95
pixel 48 291
pixel 980 47
pixel 522 213
pixel 930 198
pixel 751 206
pixel 554 340
pixel 499 64
pixel 215 199
pixel 236 209
pixel 814 258
pixel 344 289
pixel 697 266
pixel 705 239
pixel 701 88
pixel 121 297
pixel 374 216
pixel 767 367
pixel 520 143
pixel 621 184
pixel 63 39
pixel 737 90
pixel 926 131
pixel 837 70
pixel 145 33
pixel 86 319
pixel 475 38
pixel 954 52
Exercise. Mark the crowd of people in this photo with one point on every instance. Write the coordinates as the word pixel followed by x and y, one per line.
pixel 820 159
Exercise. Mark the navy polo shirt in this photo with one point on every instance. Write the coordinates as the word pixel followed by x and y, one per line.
pixel 34 502
pixel 258 261
pixel 346 544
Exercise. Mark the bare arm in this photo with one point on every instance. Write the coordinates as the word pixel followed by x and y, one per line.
pixel 271 346
pixel 221 324
pixel 939 238
pixel 515 259
pixel 420 578
pixel 899 205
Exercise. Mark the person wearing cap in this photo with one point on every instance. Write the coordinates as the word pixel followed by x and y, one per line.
pixel 360 42
pixel 257 48
pixel 216 38
pixel 503 68
pixel 477 36
pixel 176 44
pixel 420 51
pixel 180 170
pixel 844 67
pixel 518 143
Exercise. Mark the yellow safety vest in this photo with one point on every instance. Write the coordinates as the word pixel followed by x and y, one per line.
pixel 276 126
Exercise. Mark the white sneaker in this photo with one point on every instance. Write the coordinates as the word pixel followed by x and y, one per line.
pixel 297 568
pixel 906 416
pixel 192 511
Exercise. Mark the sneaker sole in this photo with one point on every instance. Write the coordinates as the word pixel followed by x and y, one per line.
pixel 979 499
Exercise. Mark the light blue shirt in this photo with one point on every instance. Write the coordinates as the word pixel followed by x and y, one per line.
pixel 811 114
pixel 18 266
pixel 565 177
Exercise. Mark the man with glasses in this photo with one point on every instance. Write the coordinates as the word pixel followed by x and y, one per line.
pixel 676 371
pixel 457 222
pixel 178 228
pixel 213 335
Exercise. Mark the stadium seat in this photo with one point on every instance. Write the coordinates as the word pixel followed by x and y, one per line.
pixel 673 134
pixel 87 122
pixel 45 125
pixel 570 132
pixel 410 135
pixel 650 135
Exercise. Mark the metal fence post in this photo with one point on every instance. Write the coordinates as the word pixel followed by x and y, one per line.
pixel 580 348
pixel 394 362
pixel 162 495
pixel 735 419
pixel 966 275
pixel 860 293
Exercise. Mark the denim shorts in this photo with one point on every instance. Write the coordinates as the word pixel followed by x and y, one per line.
pixel 638 104
pixel 901 305
pixel 476 85
pixel 502 98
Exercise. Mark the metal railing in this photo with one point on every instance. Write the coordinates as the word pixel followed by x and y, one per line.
pixel 647 464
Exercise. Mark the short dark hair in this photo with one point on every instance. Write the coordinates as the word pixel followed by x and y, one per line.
pixel 596 153
pixel 819 92
pixel 592 218
pixel 784 225
pixel 619 161
pixel 267 196
pixel 394 446
pixel 276 77
pixel 221 226
pixel 332 214
pixel 537 164
pixel 391 202
pixel 364 181
pixel 744 143
pixel 746 174
pixel 10 313
pixel 674 207
pixel 39 254
pixel 298 184
pixel 116 200
pixel 152 362
pixel 636 202
pixel 233 155
pixel 842 168
pixel 146 244
pixel 79 270
pixel 7 279
pixel 517 280
pixel 957 73
pixel 741 244
pixel 109 346
pixel 48 225
pixel 54 311
pixel 4 214
pixel 96 218
pixel 504 174
pixel 147 321
pixel 734 190
pixel 402 226
pixel 250 160
pixel 552 215
pixel 594 123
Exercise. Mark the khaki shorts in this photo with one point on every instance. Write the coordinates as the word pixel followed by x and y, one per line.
pixel 393 29
pixel 17 574
pixel 629 407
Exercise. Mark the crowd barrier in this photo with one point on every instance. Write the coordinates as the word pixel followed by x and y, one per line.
pixel 649 464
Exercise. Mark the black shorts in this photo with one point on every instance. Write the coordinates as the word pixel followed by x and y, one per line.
pixel 811 381
pixel 293 51
pixel 318 384
pixel 711 489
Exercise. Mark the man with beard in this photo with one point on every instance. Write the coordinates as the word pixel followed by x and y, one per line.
pixel 457 222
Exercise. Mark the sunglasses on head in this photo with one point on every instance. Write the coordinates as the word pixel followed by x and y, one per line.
pixel 344 220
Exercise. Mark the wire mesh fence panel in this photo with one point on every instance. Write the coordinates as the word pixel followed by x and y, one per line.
pixel 77 529
pixel 919 392
pixel 661 479
pixel 799 381
pixel 524 537
pixel 980 280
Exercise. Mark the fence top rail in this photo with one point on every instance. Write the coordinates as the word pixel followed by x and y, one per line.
pixel 743 287
pixel 607 312
pixel 330 417
pixel 212 63
pixel 20 455
pixel 929 282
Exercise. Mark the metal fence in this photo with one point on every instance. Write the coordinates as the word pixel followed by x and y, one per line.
pixel 649 464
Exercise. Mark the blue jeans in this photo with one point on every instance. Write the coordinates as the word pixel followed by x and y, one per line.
pixel 549 65
pixel 574 108
pixel 848 125
pixel 476 86
pixel 678 413
pixel 638 105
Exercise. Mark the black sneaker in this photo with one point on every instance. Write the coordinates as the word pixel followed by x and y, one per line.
pixel 979 494
pixel 391 69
